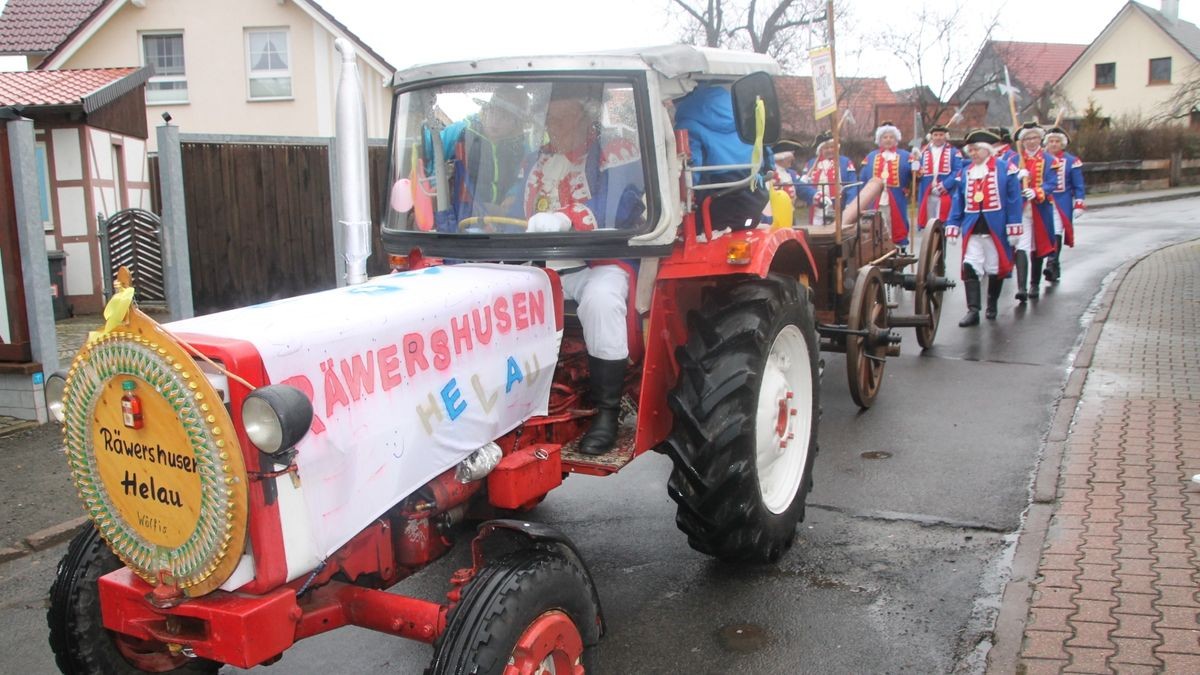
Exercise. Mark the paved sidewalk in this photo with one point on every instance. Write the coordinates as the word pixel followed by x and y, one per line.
pixel 1116 583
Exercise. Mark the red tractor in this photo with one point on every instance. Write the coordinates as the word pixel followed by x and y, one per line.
pixel 259 476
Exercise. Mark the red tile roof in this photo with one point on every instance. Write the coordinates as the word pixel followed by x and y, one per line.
pixel 858 95
pixel 1037 64
pixel 38 26
pixel 57 87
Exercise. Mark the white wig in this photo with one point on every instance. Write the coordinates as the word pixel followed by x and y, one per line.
pixel 1025 131
pixel 991 149
pixel 1061 137
pixel 887 128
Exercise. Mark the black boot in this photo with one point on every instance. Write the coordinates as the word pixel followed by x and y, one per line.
pixel 1053 268
pixel 971 284
pixel 995 283
pixel 1022 263
pixel 607 384
pixel 1035 279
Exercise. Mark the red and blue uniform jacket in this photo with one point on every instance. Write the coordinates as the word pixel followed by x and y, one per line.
pixel 897 176
pixel 812 178
pixel 987 206
pixel 1041 181
pixel 945 172
pixel 1067 189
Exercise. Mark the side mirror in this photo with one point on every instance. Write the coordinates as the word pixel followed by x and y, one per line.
pixel 746 93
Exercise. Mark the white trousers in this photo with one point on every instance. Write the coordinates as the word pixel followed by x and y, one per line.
pixel 981 254
pixel 1024 241
pixel 1058 223
pixel 602 293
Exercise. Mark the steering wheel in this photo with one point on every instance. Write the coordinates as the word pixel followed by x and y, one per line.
pixel 490 222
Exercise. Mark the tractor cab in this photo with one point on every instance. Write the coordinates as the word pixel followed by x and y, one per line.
pixel 478 148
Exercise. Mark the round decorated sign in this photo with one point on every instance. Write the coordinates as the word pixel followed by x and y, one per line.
pixel 154 457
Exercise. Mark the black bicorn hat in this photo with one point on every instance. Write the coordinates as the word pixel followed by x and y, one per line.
pixel 939 127
pixel 1030 126
pixel 982 136
pixel 1059 131
pixel 821 139
pixel 1002 134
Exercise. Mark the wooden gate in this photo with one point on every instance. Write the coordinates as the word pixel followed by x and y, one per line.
pixel 133 238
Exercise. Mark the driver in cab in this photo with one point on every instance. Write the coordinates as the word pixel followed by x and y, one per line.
pixel 580 182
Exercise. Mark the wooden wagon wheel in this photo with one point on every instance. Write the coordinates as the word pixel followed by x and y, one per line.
pixel 927 300
pixel 866 355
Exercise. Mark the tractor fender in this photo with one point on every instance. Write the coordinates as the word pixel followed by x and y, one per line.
pixel 498 538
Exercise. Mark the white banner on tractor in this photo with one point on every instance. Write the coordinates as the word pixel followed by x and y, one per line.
pixel 408 373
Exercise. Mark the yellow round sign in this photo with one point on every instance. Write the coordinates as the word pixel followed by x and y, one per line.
pixel 155 458
pixel 150 473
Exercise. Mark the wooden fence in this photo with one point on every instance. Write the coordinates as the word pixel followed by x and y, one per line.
pixel 1140 174
pixel 260 218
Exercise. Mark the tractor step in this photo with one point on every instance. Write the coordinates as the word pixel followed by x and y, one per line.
pixel 601 465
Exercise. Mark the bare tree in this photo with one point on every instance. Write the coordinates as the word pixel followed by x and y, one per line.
pixel 778 28
pixel 929 47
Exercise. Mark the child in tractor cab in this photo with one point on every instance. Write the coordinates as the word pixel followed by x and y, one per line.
pixel 579 181
pixel 707 115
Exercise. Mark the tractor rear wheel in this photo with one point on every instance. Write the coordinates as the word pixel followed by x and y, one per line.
pixel 533 611
pixel 746 409
pixel 78 638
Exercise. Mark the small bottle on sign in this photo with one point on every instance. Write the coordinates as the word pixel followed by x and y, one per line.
pixel 131 406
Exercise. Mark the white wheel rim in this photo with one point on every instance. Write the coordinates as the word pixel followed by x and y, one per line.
pixel 783 420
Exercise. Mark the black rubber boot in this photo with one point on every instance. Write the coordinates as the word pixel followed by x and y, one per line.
pixel 1035 279
pixel 995 283
pixel 1022 264
pixel 971 284
pixel 607 385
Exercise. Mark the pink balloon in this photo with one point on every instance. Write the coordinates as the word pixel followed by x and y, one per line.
pixel 402 196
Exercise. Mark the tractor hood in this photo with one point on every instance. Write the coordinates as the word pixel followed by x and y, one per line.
pixel 408 373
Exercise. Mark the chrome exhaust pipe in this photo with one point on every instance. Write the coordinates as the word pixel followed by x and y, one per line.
pixel 351 169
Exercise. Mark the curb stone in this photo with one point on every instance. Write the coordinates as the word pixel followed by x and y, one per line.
pixel 55 534
pixel 1013 615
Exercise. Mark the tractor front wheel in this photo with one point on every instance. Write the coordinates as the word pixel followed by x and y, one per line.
pixel 746 410
pixel 534 611
pixel 78 638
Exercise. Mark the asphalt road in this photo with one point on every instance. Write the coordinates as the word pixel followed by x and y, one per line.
pixel 899 564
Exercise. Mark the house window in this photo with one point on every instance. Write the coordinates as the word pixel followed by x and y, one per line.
pixel 1160 71
pixel 270 73
pixel 1106 75
pixel 164 51
pixel 43 171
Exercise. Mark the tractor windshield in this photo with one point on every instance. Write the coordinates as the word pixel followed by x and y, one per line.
pixel 519 158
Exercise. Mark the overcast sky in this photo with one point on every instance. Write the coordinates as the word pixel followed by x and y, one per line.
pixel 411 31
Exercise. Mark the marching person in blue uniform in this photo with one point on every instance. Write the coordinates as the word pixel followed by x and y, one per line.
pixel 1004 149
pixel 985 210
pixel 1036 242
pixel 939 164
pixel 894 166
pixel 817 183
pixel 1068 195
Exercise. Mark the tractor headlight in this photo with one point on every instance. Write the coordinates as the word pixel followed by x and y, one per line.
pixel 56 386
pixel 276 417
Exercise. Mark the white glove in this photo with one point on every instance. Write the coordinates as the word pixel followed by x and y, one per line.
pixel 553 221
pixel 937 189
pixel 915 165
pixel 1023 174
pixel 1076 213
pixel 818 199
pixel 1028 194
pixel 1015 230
pixel 952 231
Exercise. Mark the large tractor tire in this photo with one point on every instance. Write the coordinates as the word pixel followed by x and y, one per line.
pixel 81 644
pixel 533 611
pixel 746 409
